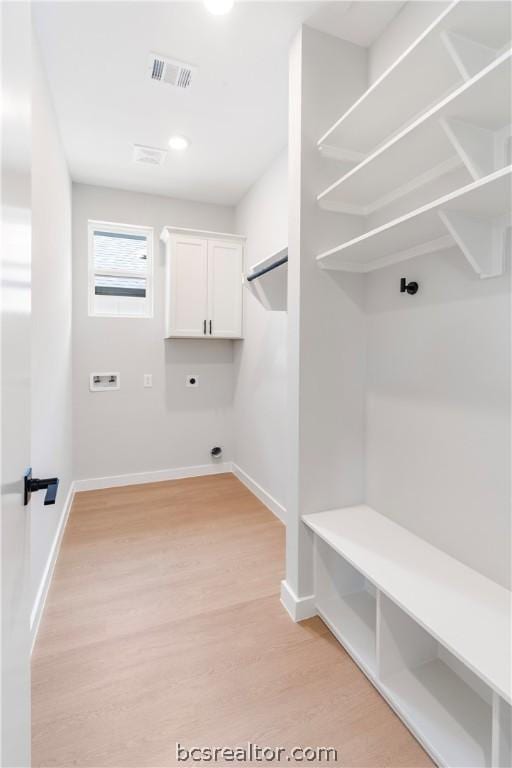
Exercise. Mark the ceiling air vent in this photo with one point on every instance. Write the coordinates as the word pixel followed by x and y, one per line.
pixel 163 70
pixel 148 155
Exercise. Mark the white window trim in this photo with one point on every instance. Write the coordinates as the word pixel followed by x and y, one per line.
pixel 129 229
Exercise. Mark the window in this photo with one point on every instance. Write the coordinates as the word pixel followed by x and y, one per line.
pixel 120 270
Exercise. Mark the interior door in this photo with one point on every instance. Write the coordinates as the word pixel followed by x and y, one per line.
pixel 15 381
pixel 225 261
pixel 188 306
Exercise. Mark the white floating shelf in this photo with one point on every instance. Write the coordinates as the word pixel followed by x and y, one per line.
pixel 474 218
pixel 464 38
pixel 465 127
pixel 467 613
pixel 271 288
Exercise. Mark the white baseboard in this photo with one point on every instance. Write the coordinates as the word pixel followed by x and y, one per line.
pixel 299 608
pixel 44 586
pixel 159 475
pixel 265 498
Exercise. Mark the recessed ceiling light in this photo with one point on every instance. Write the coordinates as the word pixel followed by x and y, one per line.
pixel 178 142
pixel 219 7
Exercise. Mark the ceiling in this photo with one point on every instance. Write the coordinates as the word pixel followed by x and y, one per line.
pixel 234 114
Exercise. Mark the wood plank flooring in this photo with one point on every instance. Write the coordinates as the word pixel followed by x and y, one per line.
pixel 163 625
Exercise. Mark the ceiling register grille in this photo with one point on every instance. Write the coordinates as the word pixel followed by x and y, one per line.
pixel 148 155
pixel 175 73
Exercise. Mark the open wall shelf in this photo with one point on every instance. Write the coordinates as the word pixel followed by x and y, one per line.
pixel 470 127
pixel 430 633
pixel 475 218
pixel 268 281
pixel 430 142
pixel 462 40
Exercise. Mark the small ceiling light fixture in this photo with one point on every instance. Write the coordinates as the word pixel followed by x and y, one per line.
pixel 219 7
pixel 178 143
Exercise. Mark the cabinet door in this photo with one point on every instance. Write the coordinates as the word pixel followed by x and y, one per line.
pixel 225 263
pixel 187 303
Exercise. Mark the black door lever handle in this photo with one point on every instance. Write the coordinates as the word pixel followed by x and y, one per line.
pixel 32 484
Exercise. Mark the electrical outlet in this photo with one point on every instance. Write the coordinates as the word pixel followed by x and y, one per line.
pixel 148 379
pixel 101 382
pixel 192 380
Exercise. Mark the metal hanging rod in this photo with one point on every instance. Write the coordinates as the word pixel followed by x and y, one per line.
pixel 264 270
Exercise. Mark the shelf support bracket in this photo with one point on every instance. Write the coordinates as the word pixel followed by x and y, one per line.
pixel 474 145
pixel 341 153
pixel 468 56
pixel 481 241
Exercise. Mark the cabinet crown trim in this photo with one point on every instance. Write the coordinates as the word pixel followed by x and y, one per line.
pixel 167 231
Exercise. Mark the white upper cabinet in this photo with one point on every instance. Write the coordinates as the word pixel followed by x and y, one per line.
pixel 203 284
pixel 187 286
pixel 225 264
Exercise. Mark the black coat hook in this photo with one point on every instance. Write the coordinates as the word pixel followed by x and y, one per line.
pixel 411 288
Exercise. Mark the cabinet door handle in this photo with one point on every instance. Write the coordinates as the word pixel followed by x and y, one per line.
pixel 204 327
pixel 210 327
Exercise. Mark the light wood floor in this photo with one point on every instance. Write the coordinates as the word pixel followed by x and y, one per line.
pixel 164 624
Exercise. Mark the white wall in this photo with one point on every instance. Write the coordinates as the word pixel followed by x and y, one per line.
pixel 438 408
pixel 438 404
pixel 136 429
pixel 260 447
pixel 51 324
pixel 326 340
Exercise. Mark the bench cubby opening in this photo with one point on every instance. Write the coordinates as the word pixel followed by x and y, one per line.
pixel 347 603
pixel 446 705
